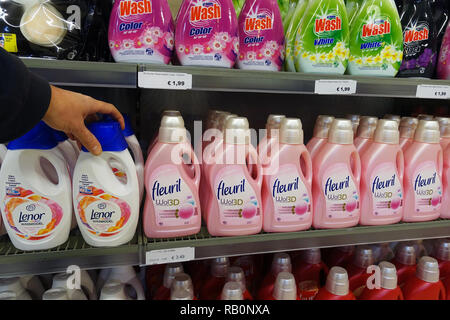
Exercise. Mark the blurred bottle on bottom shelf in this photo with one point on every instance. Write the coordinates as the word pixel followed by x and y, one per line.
pixel 114 290
pixel 123 274
pixel 236 274
pixel 336 287
pixel 338 256
pixel 388 290
pixel 441 252
pixel 357 269
pixel 213 285
pixel 281 263
pixel 182 288
pixel 405 262
pixel 163 292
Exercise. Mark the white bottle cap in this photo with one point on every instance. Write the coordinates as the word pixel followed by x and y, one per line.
pixel 60 280
pixel 214 121
pixel 291 131
pixel 363 257
pixel 172 130
pixel 232 291
pixel 337 281
pixel 442 250
pixel 281 263
pixel 428 269
pixel 237 131
pixel 394 117
pixel 425 117
pixel 444 126
pixel 55 294
pixel 406 253
pixel 222 120
pixel 236 274
pixel 341 132
pixel 169 273
pixel 113 290
pixel 354 118
pixel 11 284
pixel 219 267
pixel 408 127
pixel 312 256
pixel 274 121
pixel 8 295
pixel 427 132
pixel 367 127
pixel 181 294
pixel 172 113
pixel 388 275
pixel 387 132
pixel 322 126
pixel 285 287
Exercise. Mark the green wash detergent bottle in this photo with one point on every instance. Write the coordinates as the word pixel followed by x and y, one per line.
pixel 323 38
pixel 376 45
pixel 292 46
pixel 353 7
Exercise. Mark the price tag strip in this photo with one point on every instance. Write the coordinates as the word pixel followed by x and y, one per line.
pixel 335 87
pixel 164 80
pixel 433 91
pixel 169 255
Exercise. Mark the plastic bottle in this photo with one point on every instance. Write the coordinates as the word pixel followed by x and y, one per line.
pixel 261 36
pixel 440 17
pixel 354 118
pixel 252 273
pixel 443 63
pixel 320 134
pixel 290 178
pixel 340 256
pixel 353 7
pixel 281 263
pixel 174 113
pixel 217 278
pixel 232 291
pixel 291 33
pixel 407 129
pixel 206 33
pixel 231 181
pixel 389 289
pixel 423 170
pixel 405 262
pixel 419 40
pixel 336 173
pixel 272 136
pixel 442 255
pixel 376 40
pixel 61 280
pixel 323 38
pixel 425 285
pixel 163 292
pixel 125 275
pixel 236 274
pixel 106 206
pixel 37 212
pixel 56 294
pixel 423 116
pixel 337 286
pixel 114 290
pixel 382 252
pixel 181 285
pixel 444 128
pixel 310 273
pixel 14 285
pixel 364 134
pixel 33 285
pixel 141 31
pixel 395 117
pixel 154 276
pixel 285 287
pixel 357 270
pixel 382 168
pixel 66 148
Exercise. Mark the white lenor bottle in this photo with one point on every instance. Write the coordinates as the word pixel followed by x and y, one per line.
pixel 37 212
pixel 106 206
pixel 67 150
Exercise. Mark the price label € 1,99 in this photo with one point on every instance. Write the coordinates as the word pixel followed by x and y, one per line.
pixel 164 80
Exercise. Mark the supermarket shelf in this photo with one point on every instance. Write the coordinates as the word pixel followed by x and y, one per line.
pixel 207 246
pixel 217 79
pixel 84 74
pixel 75 251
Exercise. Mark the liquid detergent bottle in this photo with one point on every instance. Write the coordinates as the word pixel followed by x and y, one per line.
pixel 163 292
pixel 407 129
pixel 181 284
pixel 364 134
pixel 61 281
pixel 174 113
pixel 382 252
pixel 425 285
pixel 389 290
pixel 423 169
pixel 376 40
pixel 33 285
pixel 165 178
pixel 285 287
pixel 291 31
pixel 382 167
pixel 440 17
pixel 106 206
pixel 125 275
pixel 336 287
pixel 236 274
pixel 423 116
pixel 286 191
pixel 340 256
pixel 405 262
pixel 154 276
pixel 248 264
pixel 442 255
pixel 232 291
pixel 206 33
pixel 445 214
pixel 15 286
pixel 354 118
pixel 87 286
pixel 141 31
pixel 114 290
pixel 281 263
pixel 395 117
pixel 37 212
pixel 357 270
pixel 287 19
pixel 353 7
pixel 272 136
pixel 443 63
pixel 444 128
pixel 337 172
pixel 218 275
pixel 261 36
pixel 323 38
pixel 320 134
pixel 310 273
pixel 231 182
pixel 67 149
pixel 56 294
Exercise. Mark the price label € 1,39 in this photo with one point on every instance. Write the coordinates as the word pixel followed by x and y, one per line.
pixel 335 87
pixel 169 255
pixel 164 80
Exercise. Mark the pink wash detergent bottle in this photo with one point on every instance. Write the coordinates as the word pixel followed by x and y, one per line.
pixel 382 169
pixel 364 134
pixel 444 127
pixel 407 129
pixel 261 36
pixel 423 171
pixel 272 130
pixel 172 206
pixel 320 134
pixel 336 176
pixel 445 212
pixel 286 191
pixel 206 33
pixel 234 202
pixel 141 31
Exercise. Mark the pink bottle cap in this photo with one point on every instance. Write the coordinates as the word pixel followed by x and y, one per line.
pixel 388 275
pixel 219 267
pixel 387 132
pixel 322 126
pixel 406 253
pixel 363 257
pixel 442 249
pixel 171 270
pixel 285 287
pixel 236 274
pixel 312 256
pixel 428 269
pixel 337 281
pixel 232 291
pixel 427 132
pixel 408 127
pixel 281 262
pixel 291 131
pixel 367 127
pixel 444 126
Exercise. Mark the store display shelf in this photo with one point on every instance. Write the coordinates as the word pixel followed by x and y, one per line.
pixel 207 246
pixel 75 251
pixel 217 79
pixel 84 74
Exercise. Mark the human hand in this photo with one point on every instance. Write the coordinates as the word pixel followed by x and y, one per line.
pixel 68 110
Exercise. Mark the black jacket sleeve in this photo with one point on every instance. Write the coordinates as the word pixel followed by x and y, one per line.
pixel 24 97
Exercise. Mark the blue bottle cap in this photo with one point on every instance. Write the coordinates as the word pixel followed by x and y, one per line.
pixel 59 135
pixel 128 131
pixel 41 137
pixel 109 134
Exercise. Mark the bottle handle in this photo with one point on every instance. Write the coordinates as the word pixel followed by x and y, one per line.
pixel 54 159
pixel 138 288
pixel 124 167
pixel 187 149
pixel 440 162
pixel 357 164
pixel 254 154
pixel 308 163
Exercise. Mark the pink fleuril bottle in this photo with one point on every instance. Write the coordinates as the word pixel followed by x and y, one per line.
pixel 272 130
pixel 286 193
pixel 364 134
pixel 423 172
pixel 444 127
pixel 382 169
pixel 445 214
pixel 174 113
pixel 336 177
pixel 354 118
pixel 172 206
pixel 234 203
pixel 320 134
pixel 407 129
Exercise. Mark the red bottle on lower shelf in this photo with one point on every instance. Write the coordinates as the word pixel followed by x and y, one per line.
pixel 405 262
pixel 284 288
pixel 357 270
pixel 310 273
pixel 213 286
pixel 442 255
pixel 281 262
pixel 340 256
pixel 388 290
pixel 182 288
pixel 163 292
pixel 336 287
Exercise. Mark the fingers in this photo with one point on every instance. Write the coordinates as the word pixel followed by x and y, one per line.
pixel 107 108
pixel 87 139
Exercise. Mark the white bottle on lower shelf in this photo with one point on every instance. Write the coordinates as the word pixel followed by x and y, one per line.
pixel 125 275
pixel 15 286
